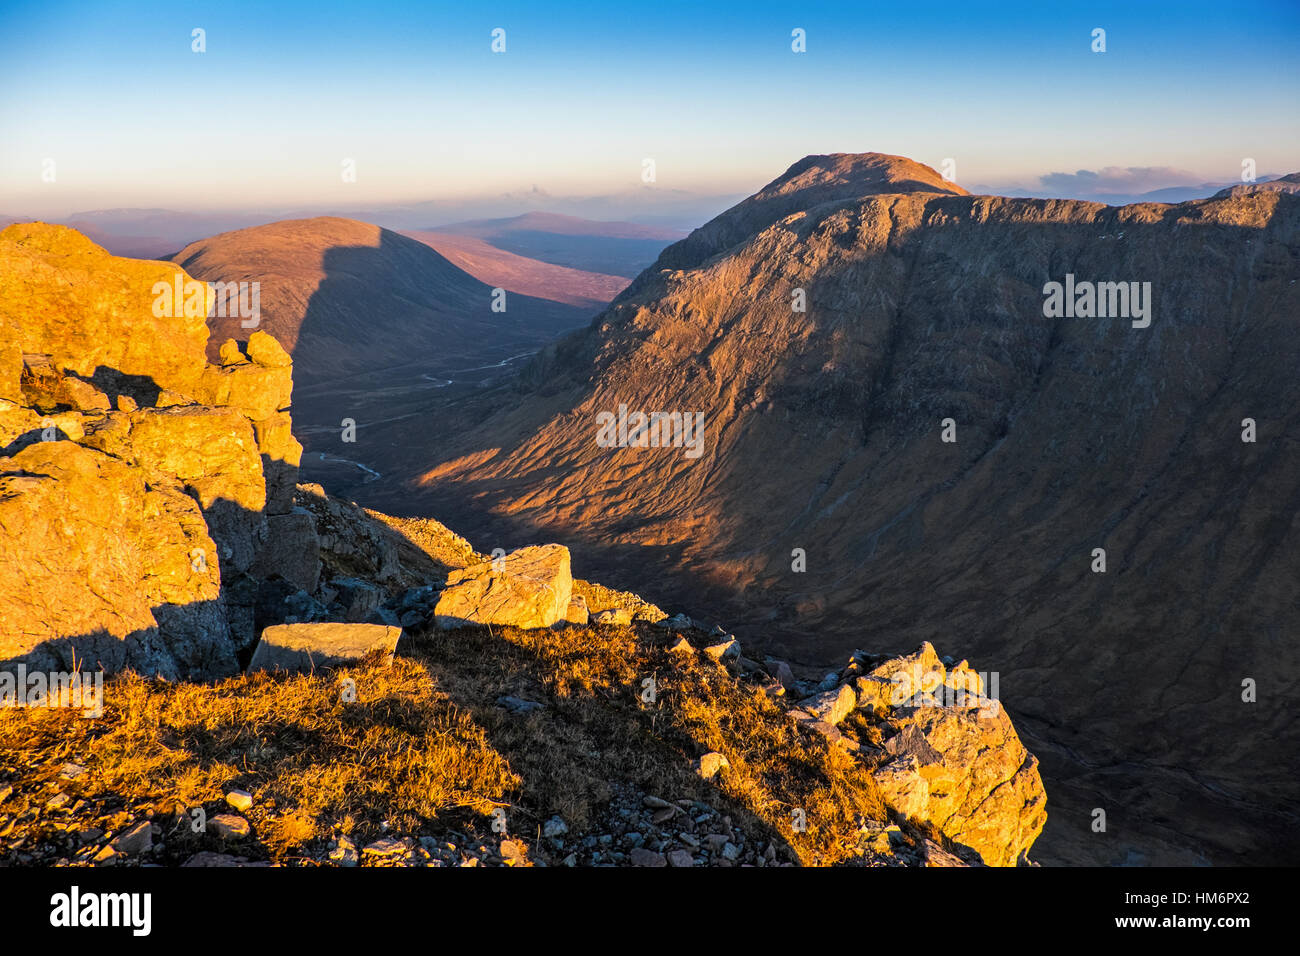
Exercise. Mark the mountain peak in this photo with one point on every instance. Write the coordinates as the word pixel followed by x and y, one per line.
pixel 812 181
pixel 834 176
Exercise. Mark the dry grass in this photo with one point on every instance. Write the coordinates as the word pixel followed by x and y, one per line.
pixel 400 752
pixel 425 749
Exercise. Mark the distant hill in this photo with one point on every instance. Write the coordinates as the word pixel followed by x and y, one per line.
pixel 347 297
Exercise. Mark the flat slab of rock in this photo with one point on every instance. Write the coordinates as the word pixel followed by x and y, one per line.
pixel 229 826
pixel 531 587
pixel 308 646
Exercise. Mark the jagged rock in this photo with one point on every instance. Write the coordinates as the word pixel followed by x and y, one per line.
pixel 68 298
pixel 417 597
pixel 344 852
pixel 180 463
pixel 724 651
pixel 135 840
pixel 957 760
pixel 264 350
pixel 351 539
pixel 533 590
pixel 127 573
pixel 281 455
pixel 240 800
pixel 911 673
pixel 300 607
pixel 47 388
pixel 386 848
pixel 255 391
pixel 229 354
pixel 385 616
pixel 781 671
pixel 213 453
pixel 357 598
pixel 903 786
pixel 874 693
pixel 304 647
pixel 831 706
pixel 416 617
pixel 678 622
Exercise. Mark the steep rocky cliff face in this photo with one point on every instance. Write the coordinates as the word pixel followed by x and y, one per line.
pixel 824 434
pixel 150 520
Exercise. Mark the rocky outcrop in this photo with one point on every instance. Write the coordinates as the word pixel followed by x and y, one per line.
pixel 951 756
pixel 147 495
pixel 943 752
pixel 99 565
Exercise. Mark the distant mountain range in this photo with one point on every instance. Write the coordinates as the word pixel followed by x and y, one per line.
pixel 658 214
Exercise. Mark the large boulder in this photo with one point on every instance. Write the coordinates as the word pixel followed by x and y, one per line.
pixel 101 567
pixel 527 588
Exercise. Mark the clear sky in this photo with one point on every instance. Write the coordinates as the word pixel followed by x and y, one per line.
pixel 712 92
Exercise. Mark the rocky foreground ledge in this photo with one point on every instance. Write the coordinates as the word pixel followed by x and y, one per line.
pixel 297 680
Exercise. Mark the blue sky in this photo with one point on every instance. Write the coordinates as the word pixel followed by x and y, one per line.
pixel 585 92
